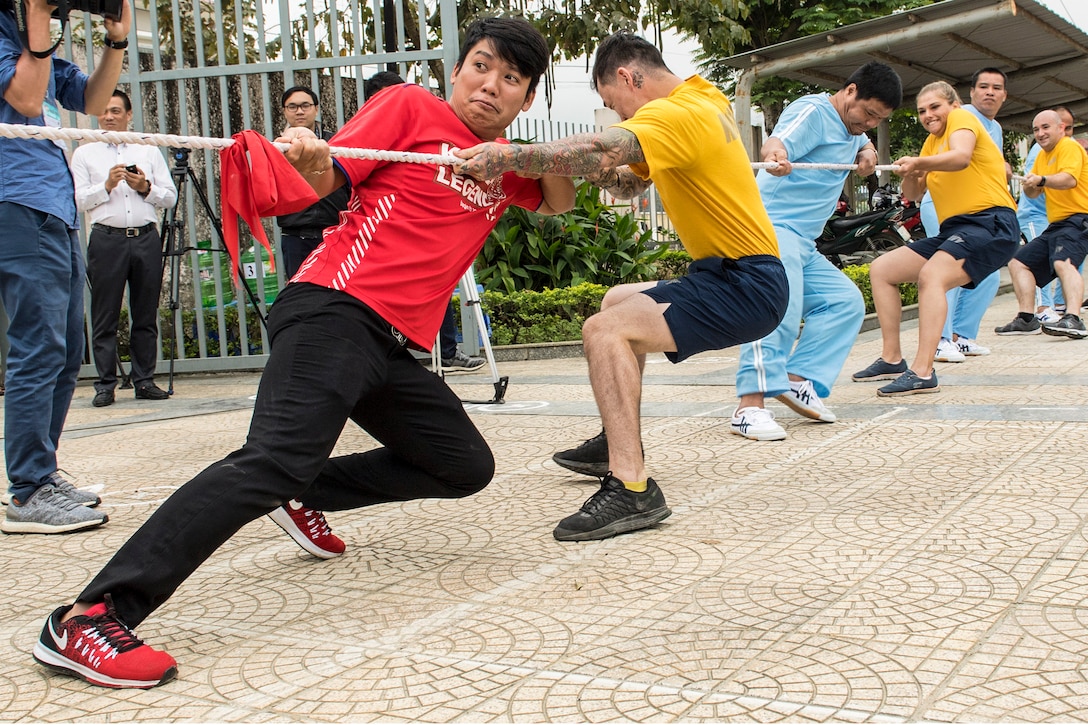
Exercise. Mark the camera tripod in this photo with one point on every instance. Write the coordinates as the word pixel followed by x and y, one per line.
pixel 472 303
pixel 173 250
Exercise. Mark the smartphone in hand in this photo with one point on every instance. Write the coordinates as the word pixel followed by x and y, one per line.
pixel 131 168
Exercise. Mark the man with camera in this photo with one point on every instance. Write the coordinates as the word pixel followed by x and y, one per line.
pixel 41 264
pixel 121 188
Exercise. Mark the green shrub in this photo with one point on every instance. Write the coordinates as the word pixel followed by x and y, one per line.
pixel 672 264
pixel 859 275
pixel 590 243
pixel 554 315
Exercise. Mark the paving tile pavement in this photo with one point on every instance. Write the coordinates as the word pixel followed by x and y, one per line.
pixel 920 559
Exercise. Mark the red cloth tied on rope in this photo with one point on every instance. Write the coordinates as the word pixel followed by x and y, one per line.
pixel 257 181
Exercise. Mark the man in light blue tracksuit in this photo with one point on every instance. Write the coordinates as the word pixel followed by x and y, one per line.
pixel 818 128
pixel 967 306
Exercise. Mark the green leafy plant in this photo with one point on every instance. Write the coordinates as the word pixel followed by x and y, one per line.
pixel 672 264
pixel 553 315
pixel 590 243
pixel 859 275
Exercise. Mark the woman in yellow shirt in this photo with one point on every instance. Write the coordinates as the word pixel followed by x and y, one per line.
pixel 964 171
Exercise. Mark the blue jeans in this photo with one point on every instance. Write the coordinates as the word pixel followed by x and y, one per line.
pixel 41 282
pixel 832 308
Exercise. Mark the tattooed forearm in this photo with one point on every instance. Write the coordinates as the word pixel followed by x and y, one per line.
pixel 621 183
pixel 579 155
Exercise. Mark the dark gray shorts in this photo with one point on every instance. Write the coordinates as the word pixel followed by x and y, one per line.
pixel 985 241
pixel 723 302
pixel 1067 239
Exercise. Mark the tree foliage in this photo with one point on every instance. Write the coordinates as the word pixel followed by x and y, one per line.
pixel 236 35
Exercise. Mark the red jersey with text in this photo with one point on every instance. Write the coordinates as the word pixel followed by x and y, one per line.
pixel 410 230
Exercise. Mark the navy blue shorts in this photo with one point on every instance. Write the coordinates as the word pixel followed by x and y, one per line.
pixel 1067 239
pixel 723 302
pixel 985 241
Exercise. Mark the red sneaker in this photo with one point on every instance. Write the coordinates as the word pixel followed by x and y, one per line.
pixel 98 647
pixel 309 529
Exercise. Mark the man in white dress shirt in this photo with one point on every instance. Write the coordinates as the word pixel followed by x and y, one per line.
pixel 120 188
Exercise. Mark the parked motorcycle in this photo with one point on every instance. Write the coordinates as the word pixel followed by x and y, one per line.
pixel 860 238
pixel 885 197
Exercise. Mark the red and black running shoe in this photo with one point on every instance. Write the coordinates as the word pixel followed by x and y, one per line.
pixel 99 648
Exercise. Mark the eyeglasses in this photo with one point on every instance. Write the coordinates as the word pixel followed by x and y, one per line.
pixel 292 107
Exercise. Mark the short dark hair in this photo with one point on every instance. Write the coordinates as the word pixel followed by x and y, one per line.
pixel 296 89
pixel 878 81
pixel 621 49
pixel 124 99
pixel 996 71
pixel 515 40
pixel 378 81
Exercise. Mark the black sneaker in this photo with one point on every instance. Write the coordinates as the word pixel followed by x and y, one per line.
pixel 910 384
pixel 614 510
pixel 1020 326
pixel 1069 326
pixel 881 370
pixel 589 459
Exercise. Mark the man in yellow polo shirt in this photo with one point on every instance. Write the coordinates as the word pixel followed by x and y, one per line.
pixel 1061 170
pixel 681 136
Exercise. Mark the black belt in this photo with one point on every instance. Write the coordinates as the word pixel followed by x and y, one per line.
pixel 126 231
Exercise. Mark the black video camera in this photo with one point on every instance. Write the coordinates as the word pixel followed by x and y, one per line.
pixel 105 8
pixel 180 156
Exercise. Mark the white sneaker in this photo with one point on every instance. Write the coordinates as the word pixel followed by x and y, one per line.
pixel 948 352
pixel 802 399
pixel 970 348
pixel 1047 315
pixel 756 424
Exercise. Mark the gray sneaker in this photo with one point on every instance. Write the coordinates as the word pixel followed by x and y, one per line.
pixel 48 511
pixel 461 363
pixel 881 370
pixel 1069 326
pixel 80 496
pixel 910 384
pixel 1020 326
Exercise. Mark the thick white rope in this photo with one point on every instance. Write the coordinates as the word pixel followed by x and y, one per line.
pixel 806 165
pixel 15 130
pixel 11 130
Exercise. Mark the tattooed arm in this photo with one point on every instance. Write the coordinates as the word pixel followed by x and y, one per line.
pixel 596 156
pixel 621 183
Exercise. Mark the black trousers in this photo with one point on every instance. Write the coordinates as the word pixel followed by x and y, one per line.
pixel 295 250
pixel 114 261
pixel 332 359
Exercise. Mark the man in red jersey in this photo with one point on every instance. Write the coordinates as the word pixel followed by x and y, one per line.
pixel 341 333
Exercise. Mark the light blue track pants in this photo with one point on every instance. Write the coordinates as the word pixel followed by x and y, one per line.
pixel 832 308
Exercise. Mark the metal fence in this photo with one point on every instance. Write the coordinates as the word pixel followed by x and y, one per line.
pixel 205 68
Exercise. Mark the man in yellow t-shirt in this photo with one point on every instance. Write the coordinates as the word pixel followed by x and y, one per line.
pixel 681 136
pixel 1061 170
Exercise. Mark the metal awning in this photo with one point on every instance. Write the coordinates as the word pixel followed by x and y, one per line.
pixel 1044 55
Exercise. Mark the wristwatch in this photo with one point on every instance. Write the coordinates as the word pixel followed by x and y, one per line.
pixel 1042 181
pixel 116 44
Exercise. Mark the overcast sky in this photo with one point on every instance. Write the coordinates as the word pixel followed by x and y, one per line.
pixel 574 102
